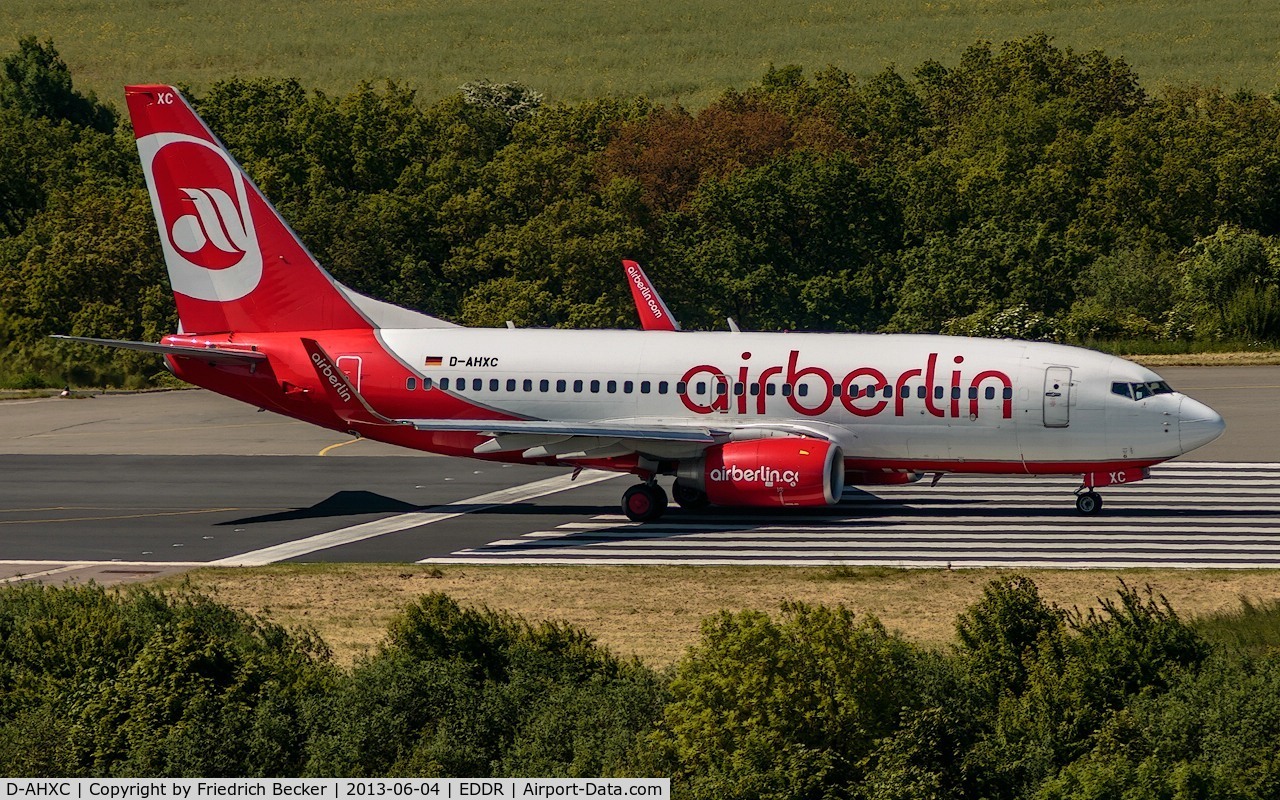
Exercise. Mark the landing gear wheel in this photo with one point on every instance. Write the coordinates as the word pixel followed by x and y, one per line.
pixel 689 498
pixel 1089 503
pixel 644 502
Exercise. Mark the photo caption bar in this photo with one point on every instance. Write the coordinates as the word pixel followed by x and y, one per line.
pixel 333 788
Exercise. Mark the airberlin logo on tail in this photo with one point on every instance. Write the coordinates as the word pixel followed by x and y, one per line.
pixel 217 223
pixel 201 203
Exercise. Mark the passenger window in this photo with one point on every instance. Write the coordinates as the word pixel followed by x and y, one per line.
pixel 644 387
pixel 855 391
pixel 803 390
pixel 920 392
pixel 562 385
pixel 544 385
pixel 786 390
pixel 937 392
pixel 682 387
pixel 771 389
pixel 739 389
pixel 577 385
pixel 973 392
pixel 991 393
pixel 955 392
pixel 722 387
pixel 528 385
pixel 511 384
pixel 493 384
pixel 836 390
pixel 426 384
pixel 611 387
pixel 755 389
pixel 628 387
pixel 701 388
pixel 1007 394
pixel 444 384
pixel 662 387
pixel 888 391
pixel 411 383
pixel 477 384
pixel 595 387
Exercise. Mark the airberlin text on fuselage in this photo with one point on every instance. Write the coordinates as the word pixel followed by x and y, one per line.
pixel 959 396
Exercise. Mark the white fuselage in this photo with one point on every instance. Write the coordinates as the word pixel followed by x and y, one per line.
pixel 937 402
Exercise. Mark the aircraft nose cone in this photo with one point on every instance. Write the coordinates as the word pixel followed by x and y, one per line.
pixel 1197 424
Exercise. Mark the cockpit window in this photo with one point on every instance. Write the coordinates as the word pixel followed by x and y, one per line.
pixel 1140 390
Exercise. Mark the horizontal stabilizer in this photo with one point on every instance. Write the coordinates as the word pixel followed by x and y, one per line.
pixel 211 355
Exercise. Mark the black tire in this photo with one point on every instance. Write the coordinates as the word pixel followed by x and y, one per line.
pixel 689 498
pixel 1089 503
pixel 644 502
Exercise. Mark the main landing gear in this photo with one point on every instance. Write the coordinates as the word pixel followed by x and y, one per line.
pixel 1089 502
pixel 646 502
pixel 689 497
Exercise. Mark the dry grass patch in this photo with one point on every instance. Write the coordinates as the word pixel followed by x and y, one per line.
pixel 1247 359
pixel 655 612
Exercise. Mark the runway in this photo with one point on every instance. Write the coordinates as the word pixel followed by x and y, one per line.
pixel 1189 515
pixel 126 487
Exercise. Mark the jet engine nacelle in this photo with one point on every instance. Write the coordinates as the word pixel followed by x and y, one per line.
pixel 786 471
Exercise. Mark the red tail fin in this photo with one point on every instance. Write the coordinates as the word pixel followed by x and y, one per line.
pixel 234 263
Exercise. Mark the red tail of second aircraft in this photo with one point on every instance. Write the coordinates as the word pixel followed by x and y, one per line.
pixel 234 263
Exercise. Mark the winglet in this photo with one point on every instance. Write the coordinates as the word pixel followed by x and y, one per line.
pixel 654 314
pixel 347 402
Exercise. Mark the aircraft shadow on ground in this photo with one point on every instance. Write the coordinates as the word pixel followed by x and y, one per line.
pixel 339 504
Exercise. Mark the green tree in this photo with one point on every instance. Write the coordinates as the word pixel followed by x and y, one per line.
pixel 35 81
pixel 141 683
pixel 457 692
pixel 791 708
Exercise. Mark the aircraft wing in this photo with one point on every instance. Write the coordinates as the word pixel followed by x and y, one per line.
pixel 212 355
pixel 619 429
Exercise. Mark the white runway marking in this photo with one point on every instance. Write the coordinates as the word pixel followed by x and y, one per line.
pixel 413 519
pixel 1189 514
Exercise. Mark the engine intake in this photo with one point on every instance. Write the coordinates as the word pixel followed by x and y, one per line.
pixel 786 471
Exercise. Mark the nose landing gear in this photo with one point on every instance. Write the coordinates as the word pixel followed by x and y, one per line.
pixel 1089 502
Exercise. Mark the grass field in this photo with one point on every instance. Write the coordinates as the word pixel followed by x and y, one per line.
pixel 655 612
pixel 689 50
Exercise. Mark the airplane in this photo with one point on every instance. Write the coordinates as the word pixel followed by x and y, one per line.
pixel 736 418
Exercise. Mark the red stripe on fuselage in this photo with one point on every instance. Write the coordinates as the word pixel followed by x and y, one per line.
pixel 995 467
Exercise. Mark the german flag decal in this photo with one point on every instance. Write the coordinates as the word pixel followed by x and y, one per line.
pixel 434 361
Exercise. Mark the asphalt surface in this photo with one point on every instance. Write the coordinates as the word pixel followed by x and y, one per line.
pixel 126 486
